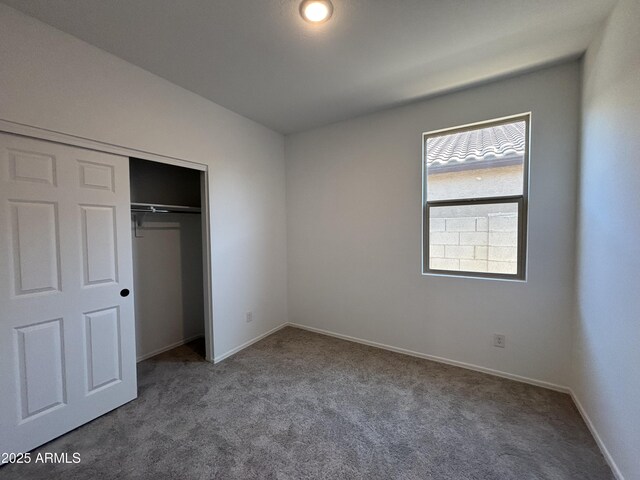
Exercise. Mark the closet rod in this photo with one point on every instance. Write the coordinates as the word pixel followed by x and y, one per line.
pixel 159 208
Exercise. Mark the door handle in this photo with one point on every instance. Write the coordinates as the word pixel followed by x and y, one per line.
pixel 124 292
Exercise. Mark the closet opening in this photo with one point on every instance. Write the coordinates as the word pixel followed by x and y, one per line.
pixel 169 232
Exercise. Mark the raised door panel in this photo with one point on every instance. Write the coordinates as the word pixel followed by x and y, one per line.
pixel 36 254
pixel 98 176
pixel 40 350
pixel 103 349
pixel 99 250
pixel 32 167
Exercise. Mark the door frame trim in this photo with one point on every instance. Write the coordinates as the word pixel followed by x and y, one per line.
pixel 24 130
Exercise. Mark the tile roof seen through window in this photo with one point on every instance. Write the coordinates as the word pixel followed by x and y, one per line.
pixel 481 148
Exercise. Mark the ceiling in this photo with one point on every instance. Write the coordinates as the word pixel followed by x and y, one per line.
pixel 260 59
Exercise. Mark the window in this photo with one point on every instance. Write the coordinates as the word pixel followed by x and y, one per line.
pixel 475 182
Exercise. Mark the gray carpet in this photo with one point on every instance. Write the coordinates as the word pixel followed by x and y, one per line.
pixel 301 405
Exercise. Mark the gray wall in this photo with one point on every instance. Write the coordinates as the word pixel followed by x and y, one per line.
pixel 354 223
pixel 607 333
pixel 54 81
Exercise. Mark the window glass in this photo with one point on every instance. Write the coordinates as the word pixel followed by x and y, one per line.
pixel 474 238
pixel 480 163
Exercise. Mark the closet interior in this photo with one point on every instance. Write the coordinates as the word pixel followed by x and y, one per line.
pixel 166 230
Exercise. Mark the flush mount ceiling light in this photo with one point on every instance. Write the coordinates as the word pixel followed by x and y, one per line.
pixel 316 11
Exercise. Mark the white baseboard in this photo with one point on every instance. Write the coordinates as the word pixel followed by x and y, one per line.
pixel 603 448
pixel 219 358
pixel 168 347
pixel 455 363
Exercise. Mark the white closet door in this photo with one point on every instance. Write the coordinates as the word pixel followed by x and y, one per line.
pixel 67 339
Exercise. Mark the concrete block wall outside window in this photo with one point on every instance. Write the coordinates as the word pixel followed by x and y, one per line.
pixel 479 244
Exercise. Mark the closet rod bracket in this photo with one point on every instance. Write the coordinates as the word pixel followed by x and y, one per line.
pixel 138 218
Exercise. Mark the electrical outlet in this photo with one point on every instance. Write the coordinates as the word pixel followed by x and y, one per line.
pixel 498 340
pixel 249 317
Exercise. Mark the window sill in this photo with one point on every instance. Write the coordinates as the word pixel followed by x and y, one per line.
pixel 475 277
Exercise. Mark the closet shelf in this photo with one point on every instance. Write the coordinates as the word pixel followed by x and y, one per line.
pixel 159 208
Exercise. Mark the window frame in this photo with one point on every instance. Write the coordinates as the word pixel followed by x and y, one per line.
pixel 521 200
